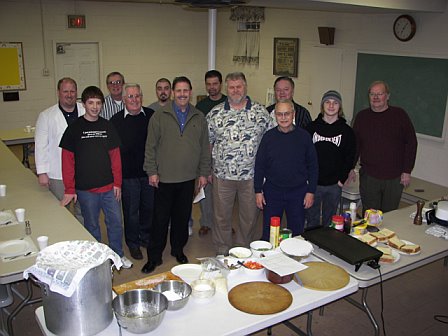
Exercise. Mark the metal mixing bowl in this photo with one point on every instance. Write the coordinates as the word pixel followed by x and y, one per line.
pixel 140 311
pixel 181 288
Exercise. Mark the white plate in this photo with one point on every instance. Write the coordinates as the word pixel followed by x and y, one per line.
pixel 6 217
pixel 407 242
pixel 14 247
pixel 396 256
pixel 187 272
pixel 375 243
pixel 296 247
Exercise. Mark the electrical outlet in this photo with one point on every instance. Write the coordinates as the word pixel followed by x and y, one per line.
pixel 45 72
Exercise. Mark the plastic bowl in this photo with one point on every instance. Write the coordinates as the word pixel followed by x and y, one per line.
pixel 259 247
pixel 253 272
pixel 240 252
pixel 176 292
pixel 140 311
pixel 203 289
pixel 277 279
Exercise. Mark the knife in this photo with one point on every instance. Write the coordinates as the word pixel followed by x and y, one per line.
pixel 20 255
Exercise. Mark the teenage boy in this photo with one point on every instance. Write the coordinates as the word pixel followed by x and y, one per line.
pixel 91 170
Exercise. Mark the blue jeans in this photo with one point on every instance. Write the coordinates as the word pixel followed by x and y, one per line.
pixel 137 199
pixel 91 204
pixel 327 199
pixel 289 200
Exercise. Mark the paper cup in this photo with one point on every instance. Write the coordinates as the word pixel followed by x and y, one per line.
pixel 20 214
pixel 2 190
pixel 42 241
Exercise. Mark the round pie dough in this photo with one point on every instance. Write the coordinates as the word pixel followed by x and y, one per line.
pixel 323 276
pixel 260 298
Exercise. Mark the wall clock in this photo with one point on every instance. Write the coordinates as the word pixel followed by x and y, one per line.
pixel 404 28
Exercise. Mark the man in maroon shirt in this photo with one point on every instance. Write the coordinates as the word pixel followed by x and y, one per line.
pixel 387 147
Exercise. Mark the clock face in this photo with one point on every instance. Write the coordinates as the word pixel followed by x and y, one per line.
pixel 404 28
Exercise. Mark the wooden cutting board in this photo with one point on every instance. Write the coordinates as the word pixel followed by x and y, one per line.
pixel 145 283
pixel 323 276
pixel 260 298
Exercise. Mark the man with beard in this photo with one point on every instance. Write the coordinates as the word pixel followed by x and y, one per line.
pixel 236 127
pixel 114 101
pixel 50 127
pixel 176 154
pixel 213 83
pixel 163 93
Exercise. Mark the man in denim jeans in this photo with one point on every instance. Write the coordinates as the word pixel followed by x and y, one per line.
pixel 137 195
pixel 91 170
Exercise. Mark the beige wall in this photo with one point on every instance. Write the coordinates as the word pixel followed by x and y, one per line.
pixel 148 41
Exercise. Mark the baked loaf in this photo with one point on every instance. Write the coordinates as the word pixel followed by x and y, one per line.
pixel 410 248
pixel 368 239
pixel 383 234
pixel 396 243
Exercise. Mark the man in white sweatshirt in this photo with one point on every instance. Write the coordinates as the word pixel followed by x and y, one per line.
pixel 50 126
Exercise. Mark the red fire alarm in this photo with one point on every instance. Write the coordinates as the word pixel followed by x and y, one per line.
pixel 76 21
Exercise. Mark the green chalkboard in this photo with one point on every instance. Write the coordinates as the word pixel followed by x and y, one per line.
pixel 419 85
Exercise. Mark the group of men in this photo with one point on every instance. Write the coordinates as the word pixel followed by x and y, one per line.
pixel 154 160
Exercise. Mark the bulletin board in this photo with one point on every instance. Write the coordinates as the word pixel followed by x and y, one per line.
pixel 418 84
pixel 12 71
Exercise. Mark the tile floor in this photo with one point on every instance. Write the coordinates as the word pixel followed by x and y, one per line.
pixel 410 300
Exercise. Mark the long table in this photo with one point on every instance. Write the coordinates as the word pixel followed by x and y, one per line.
pixel 216 316
pixel 45 215
pixel 19 136
pixel 399 221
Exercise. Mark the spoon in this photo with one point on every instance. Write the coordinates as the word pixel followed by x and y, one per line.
pixel 242 264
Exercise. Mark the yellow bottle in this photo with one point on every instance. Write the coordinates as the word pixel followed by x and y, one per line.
pixel 274 231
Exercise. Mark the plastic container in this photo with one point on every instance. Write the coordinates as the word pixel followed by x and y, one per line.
pixel 274 231
pixel 337 222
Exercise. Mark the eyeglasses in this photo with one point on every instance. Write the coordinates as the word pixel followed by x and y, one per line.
pixel 372 94
pixel 136 96
pixel 283 114
pixel 117 82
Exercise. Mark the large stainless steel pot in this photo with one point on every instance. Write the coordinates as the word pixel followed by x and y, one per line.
pixel 88 311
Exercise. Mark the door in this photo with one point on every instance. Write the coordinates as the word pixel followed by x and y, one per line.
pixel 79 61
pixel 326 74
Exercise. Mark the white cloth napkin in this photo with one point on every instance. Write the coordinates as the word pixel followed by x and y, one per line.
pixel 63 265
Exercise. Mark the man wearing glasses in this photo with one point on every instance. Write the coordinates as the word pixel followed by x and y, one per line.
pixel 137 195
pixel 284 182
pixel 114 101
pixel 284 90
pixel 387 147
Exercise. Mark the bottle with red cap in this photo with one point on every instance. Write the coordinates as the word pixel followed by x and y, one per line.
pixel 337 222
pixel 274 231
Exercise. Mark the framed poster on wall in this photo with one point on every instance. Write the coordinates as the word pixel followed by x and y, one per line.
pixel 12 69
pixel 286 56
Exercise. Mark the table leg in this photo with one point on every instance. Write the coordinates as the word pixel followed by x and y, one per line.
pixel 297 330
pixel 365 308
pixel 26 300
pixel 26 155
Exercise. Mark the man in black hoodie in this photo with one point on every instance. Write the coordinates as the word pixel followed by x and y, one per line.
pixel 336 148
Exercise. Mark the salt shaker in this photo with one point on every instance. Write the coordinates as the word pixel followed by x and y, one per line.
pixel 418 219
pixel 27 228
